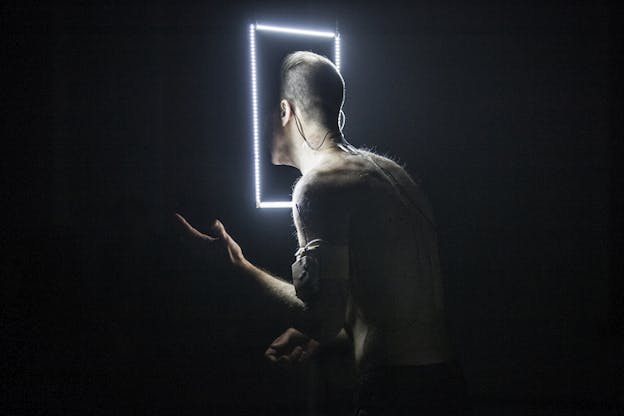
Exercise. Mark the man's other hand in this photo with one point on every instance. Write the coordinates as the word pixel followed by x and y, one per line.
pixel 220 241
pixel 291 348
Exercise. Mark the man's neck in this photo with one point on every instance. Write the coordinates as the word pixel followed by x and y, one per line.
pixel 307 158
pixel 312 159
pixel 318 148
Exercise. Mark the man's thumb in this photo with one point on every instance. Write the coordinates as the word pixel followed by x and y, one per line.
pixel 218 228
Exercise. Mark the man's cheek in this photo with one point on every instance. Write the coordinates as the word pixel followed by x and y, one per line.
pixel 274 149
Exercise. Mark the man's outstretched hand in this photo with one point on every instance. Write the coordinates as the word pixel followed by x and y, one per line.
pixel 291 348
pixel 220 241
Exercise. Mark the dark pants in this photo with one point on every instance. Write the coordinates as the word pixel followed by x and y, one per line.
pixel 434 389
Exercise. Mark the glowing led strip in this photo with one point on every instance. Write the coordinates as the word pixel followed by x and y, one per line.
pixel 293 31
pixel 254 97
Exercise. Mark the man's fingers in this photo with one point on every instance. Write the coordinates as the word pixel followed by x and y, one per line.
pixel 192 231
pixel 271 354
pixel 290 348
pixel 283 357
pixel 281 341
pixel 291 335
pixel 219 229
pixel 188 227
pixel 284 361
pixel 295 354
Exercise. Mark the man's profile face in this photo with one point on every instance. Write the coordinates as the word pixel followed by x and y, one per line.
pixel 279 144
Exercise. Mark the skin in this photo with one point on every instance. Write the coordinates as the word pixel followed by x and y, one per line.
pixel 388 305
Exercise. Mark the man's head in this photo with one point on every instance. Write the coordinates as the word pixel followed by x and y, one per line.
pixel 312 94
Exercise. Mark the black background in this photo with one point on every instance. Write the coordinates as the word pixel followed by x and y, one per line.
pixel 119 114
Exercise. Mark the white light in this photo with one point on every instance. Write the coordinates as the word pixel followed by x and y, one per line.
pixel 254 110
pixel 255 99
pixel 337 51
pixel 294 31
pixel 275 204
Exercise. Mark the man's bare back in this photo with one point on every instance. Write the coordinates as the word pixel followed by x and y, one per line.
pixel 368 203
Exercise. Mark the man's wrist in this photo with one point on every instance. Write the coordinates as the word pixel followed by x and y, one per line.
pixel 243 266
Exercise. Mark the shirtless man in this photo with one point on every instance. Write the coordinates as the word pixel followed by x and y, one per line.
pixel 367 267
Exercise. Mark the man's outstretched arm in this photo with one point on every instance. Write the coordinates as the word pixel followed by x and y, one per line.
pixel 318 218
pixel 276 289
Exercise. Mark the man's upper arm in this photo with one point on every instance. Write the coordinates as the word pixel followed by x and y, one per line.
pixel 321 269
pixel 319 209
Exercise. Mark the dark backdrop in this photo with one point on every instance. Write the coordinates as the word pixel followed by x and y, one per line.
pixel 117 115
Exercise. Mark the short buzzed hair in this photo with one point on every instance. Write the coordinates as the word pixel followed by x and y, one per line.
pixel 315 85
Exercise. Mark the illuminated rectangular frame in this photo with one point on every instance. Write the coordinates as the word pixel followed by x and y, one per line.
pixel 254 97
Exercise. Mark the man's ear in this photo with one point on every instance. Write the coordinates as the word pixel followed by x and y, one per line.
pixel 285 112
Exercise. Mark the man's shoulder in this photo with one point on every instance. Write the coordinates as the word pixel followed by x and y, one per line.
pixel 316 184
pixel 336 177
pixel 352 177
pixel 386 161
